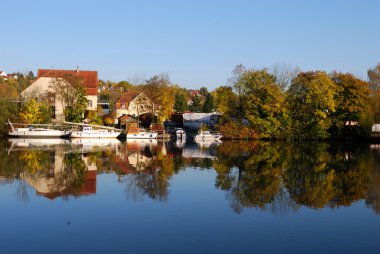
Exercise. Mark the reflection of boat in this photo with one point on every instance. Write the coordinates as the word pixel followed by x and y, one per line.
pixel 89 142
pixel 38 142
pixel 132 143
pixel 89 132
pixel 207 135
pixel 136 133
pixel 208 143
pixel 36 132
pixel 180 134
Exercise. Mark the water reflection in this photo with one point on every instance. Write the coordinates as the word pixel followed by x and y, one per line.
pixel 273 176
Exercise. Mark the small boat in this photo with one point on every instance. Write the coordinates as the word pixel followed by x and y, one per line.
pixel 32 132
pixel 89 132
pixel 136 133
pixel 180 134
pixel 207 135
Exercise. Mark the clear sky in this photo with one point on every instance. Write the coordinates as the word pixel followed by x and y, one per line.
pixel 197 42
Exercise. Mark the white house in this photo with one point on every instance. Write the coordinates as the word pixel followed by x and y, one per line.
pixel 42 88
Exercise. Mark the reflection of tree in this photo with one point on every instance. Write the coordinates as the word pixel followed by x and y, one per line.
pixel 253 180
pixel 318 177
pixel 72 176
pixel 151 179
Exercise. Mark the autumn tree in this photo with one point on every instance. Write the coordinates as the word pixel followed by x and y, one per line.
pixel 159 89
pixel 34 112
pixel 226 100
pixel 311 101
pixel 263 103
pixel 351 99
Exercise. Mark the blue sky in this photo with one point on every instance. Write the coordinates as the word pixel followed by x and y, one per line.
pixel 197 42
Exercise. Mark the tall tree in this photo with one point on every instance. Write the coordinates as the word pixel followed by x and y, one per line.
pixel 196 105
pixel 352 98
pixel 226 100
pixel 263 103
pixel 208 104
pixel 180 104
pixel 70 93
pixel 284 74
pixel 374 78
pixel 311 101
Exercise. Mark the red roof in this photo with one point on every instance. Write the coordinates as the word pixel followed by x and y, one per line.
pixel 126 98
pixel 90 78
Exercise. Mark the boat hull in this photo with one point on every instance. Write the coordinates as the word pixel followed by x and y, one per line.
pixel 142 136
pixel 80 134
pixel 39 134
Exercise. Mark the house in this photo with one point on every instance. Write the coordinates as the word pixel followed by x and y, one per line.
pixel 42 88
pixel 135 104
pixel 3 74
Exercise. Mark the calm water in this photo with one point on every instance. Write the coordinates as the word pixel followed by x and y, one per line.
pixel 84 196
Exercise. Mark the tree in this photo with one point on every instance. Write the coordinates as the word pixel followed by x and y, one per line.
pixel 203 91
pixel 180 103
pixel 9 111
pixel 374 78
pixel 70 92
pixel 352 98
pixel 208 104
pixel 30 75
pixel 34 112
pixel 226 101
pixel 284 74
pixel 311 101
pixel 263 103
pixel 161 92
pixel 196 105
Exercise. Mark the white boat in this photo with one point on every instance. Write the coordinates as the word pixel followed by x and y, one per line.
pixel 207 135
pixel 180 134
pixel 89 132
pixel 32 132
pixel 136 133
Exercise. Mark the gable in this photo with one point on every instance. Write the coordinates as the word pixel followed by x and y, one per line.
pixel 89 78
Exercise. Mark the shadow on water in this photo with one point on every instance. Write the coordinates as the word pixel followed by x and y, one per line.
pixel 279 177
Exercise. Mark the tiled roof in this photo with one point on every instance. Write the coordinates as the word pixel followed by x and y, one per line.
pixel 127 97
pixel 90 78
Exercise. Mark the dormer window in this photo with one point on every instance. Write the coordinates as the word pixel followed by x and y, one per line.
pixel 122 105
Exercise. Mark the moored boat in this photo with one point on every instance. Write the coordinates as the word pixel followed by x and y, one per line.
pixel 139 133
pixel 180 134
pixel 89 132
pixel 32 132
pixel 207 135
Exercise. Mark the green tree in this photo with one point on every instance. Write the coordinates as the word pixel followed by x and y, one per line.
pixel 226 101
pixel 208 104
pixel 263 103
pixel 70 92
pixel 203 91
pixel 311 101
pixel 9 111
pixel 196 105
pixel 180 103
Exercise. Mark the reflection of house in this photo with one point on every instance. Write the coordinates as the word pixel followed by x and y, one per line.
pixel 135 155
pixel 58 182
pixel 41 88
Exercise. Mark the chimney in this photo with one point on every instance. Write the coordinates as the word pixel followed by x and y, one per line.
pixel 77 69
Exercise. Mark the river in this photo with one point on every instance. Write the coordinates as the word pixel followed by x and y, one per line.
pixel 108 196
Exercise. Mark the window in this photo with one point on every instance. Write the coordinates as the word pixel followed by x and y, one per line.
pixel 122 105
pixel 89 103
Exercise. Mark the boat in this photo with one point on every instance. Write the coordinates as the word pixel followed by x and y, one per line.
pixel 32 132
pixel 89 132
pixel 180 134
pixel 139 133
pixel 207 135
